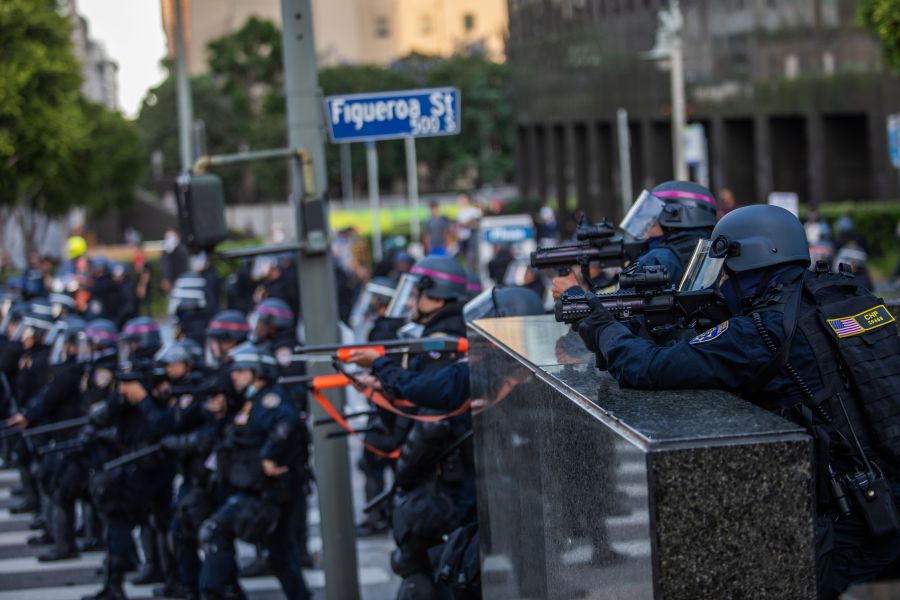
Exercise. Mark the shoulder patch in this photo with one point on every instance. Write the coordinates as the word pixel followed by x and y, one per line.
pixel 102 378
pixel 873 318
pixel 185 400
pixel 710 335
pixel 271 400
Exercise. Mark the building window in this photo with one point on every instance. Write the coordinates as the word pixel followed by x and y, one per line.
pixel 426 25
pixel 382 28
pixel 469 22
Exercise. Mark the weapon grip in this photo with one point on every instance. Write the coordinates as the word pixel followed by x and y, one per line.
pixel 343 354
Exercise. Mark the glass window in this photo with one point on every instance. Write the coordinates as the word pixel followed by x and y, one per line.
pixel 382 27
pixel 469 22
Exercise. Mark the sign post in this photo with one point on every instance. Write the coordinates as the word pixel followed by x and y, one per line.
pixel 403 115
pixel 374 197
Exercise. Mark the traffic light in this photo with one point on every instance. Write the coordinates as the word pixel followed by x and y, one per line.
pixel 201 210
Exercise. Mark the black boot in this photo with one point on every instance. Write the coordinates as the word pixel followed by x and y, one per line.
pixel 24 507
pixel 112 588
pixel 258 567
pixel 148 574
pixel 40 540
pixel 175 590
pixel 63 533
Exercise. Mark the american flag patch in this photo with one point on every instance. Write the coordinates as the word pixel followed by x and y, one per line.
pixel 873 318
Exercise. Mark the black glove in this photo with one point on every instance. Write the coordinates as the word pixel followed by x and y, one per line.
pixel 594 324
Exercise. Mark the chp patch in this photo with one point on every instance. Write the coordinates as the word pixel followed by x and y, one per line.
pixel 271 400
pixel 873 318
pixel 284 356
pixel 710 335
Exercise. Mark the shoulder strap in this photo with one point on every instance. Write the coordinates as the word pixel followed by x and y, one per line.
pixel 779 359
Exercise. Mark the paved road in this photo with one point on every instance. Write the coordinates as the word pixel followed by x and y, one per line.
pixel 23 578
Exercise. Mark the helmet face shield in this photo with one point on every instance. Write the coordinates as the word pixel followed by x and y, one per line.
pixel 703 270
pixel 403 303
pixel 642 216
pixel 262 266
pixel 481 306
pixel 370 300
pixel 65 346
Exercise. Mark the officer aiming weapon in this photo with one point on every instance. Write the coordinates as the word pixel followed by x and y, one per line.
pixel 651 298
pixel 328 353
pixel 597 244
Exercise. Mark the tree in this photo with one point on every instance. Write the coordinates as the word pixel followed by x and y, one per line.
pixel 41 124
pixel 883 17
pixel 57 150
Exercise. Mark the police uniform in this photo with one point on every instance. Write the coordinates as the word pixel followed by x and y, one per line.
pixel 423 513
pixel 266 427
pixel 736 356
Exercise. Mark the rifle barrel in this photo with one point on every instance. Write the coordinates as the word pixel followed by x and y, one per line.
pixel 132 456
pixel 58 426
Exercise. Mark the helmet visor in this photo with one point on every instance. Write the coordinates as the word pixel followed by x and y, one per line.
pixel 404 302
pixel 262 266
pixel 703 270
pixel 373 296
pixel 65 346
pixel 643 215
pixel 481 306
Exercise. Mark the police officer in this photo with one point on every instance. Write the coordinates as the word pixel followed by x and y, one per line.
pixel 189 303
pixel 786 350
pixel 272 326
pixel 60 400
pixel 671 218
pixel 433 290
pixel 262 453
pixel 226 330
pixel 31 375
pixel 191 438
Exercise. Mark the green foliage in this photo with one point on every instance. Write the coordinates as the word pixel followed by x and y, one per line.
pixel 875 221
pixel 41 125
pixel 105 171
pixel 242 105
pixel 883 17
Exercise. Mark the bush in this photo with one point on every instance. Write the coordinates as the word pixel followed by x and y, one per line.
pixel 875 221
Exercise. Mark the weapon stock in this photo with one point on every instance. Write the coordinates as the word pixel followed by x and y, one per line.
pixel 58 426
pixel 132 456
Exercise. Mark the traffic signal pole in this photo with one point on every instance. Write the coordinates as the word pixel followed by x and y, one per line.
pixel 317 290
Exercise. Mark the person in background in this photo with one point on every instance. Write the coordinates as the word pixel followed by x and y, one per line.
pixel 546 227
pixel 466 228
pixel 174 260
pixel 727 202
pixel 143 273
pixel 436 232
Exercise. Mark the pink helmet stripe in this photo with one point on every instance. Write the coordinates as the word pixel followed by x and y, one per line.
pixel 229 326
pixel 275 312
pixel 690 195
pixel 141 328
pixel 100 334
pixel 438 275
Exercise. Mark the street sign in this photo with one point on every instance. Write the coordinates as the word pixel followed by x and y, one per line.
pixel 893 125
pixel 393 115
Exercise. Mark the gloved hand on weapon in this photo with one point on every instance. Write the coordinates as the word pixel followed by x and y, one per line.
pixel 595 323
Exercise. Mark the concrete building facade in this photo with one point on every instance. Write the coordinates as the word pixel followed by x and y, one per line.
pixel 99 72
pixel 792 94
pixel 354 31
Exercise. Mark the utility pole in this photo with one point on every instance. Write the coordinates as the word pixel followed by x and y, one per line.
pixel 669 50
pixel 317 292
pixel 183 91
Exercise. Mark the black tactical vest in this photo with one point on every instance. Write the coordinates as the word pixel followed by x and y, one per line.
pixel 683 245
pixel 855 341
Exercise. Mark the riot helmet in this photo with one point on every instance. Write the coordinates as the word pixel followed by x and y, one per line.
pixel 69 340
pixel 500 302
pixel 11 312
pixel 103 337
pixel 36 324
pixel 62 304
pixel 139 341
pixel 758 237
pixel 177 358
pixel 226 328
pixel 438 277
pixel 271 313
pixel 254 358
pixel 263 266
pixel 672 205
